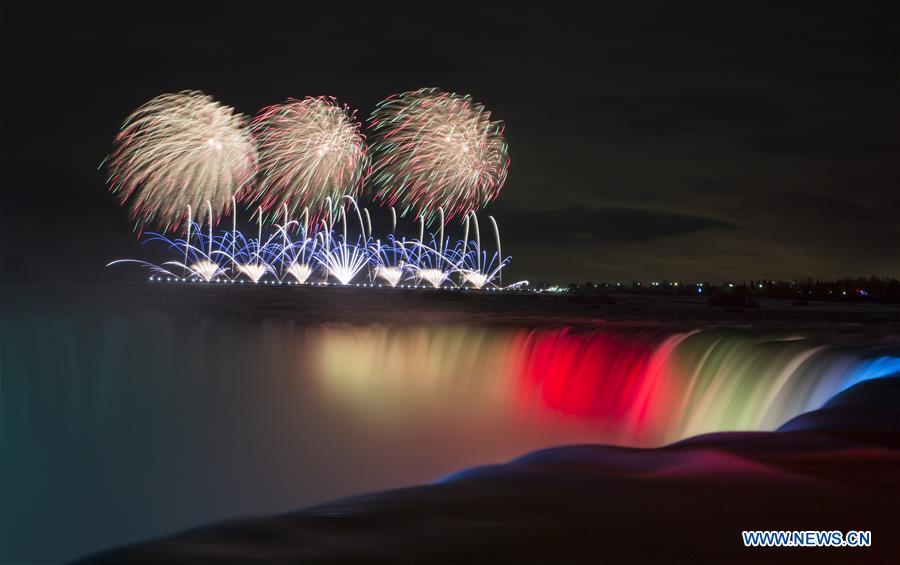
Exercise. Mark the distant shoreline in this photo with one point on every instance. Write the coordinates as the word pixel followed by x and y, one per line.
pixel 336 304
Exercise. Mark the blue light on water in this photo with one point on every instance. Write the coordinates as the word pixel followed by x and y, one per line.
pixel 876 368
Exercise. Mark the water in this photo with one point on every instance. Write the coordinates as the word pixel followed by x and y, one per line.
pixel 120 424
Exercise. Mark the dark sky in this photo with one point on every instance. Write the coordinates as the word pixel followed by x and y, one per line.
pixel 648 140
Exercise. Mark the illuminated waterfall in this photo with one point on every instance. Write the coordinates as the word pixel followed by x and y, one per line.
pixel 634 386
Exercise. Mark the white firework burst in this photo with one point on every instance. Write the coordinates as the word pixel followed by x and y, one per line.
pixel 179 150
pixel 300 271
pixel 311 153
pixel 437 150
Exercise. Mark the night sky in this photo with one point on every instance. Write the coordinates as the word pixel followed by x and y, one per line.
pixel 648 140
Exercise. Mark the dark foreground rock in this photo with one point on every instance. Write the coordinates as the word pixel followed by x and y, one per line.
pixel 837 468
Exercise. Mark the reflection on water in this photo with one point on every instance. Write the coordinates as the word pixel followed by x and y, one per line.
pixel 120 427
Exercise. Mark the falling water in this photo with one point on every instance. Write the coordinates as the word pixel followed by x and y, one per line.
pixel 633 387
pixel 129 427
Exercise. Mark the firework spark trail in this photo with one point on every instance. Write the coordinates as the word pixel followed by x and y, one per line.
pixel 344 260
pixel 311 153
pixel 180 150
pixel 316 257
pixel 183 154
pixel 391 260
pixel 435 149
pixel 499 251
pixel 431 260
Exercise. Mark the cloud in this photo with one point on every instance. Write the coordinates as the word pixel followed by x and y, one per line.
pixel 598 226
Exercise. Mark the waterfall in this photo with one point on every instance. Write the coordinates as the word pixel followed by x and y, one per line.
pixel 641 387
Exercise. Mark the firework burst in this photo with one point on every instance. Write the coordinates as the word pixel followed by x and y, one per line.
pixel 312 153
pixel 435 149
pixel 328 255
pixel 179 150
